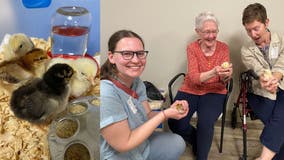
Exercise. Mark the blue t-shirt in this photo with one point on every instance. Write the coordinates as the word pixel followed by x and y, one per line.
pixel 117 105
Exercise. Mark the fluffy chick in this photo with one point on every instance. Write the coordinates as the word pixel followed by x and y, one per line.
pixel 267 74
pixel 17 71
pixel 84 77
pixel 12 75
pixel 35 61
pixel 15 45
pixel 42 99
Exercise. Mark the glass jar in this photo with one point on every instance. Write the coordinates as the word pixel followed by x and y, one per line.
pixel 70 31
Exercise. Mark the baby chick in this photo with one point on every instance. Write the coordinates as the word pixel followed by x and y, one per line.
pixel 42 99
pixel 13 75
pixel 85 70
pixel 35 61
pixel 84 77
pixel 267 74
pixel 15 45
pixel 17 71
pixel 225 65
pixel 180 109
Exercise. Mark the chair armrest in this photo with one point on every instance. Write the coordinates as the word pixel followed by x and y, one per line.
pixel 171 83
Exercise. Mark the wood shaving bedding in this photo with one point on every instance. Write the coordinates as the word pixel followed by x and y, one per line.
pixel 42 43
pixel 95 90
pixel 19 139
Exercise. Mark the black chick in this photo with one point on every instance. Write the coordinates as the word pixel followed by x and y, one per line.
pixel 40 100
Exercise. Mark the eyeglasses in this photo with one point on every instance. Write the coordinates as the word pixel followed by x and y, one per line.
pixel 127 55
pixel 207 32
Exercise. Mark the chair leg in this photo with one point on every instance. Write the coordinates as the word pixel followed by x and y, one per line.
pixel 222 128
pixel 229 88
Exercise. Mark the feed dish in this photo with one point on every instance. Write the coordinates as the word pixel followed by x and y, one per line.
pixel 86 135
pixel 77 108
pixel 66 127
pixel 95 101
pixel 76 151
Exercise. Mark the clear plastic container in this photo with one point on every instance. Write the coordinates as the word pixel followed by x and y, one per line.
pixel 70 31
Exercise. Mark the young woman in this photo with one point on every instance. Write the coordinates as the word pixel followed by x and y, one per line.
pixel 127 124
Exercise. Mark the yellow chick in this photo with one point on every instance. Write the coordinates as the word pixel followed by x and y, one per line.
pixel 15 46
pixel 267 74
pixel 84 77
pixel 180 109
pixel 225 65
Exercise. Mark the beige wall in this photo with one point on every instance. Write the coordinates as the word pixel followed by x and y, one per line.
pixel 167 26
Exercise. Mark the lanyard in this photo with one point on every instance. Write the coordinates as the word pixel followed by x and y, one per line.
pixel 124 88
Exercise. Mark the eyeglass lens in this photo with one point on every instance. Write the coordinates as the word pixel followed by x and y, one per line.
pixel 130 54
pixel 210 32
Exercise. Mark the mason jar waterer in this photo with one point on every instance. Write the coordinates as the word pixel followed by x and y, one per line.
pixel 70 31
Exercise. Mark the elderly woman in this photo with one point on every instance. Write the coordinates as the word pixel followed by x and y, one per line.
pixel 204 86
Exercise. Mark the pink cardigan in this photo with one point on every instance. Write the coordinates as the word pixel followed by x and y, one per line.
pixel 198 63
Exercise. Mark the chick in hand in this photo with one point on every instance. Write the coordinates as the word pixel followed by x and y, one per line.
pixel 267 74
pixel 15 46
pixel 42 99
pixel 84 77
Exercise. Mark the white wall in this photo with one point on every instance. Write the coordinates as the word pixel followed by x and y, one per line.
pixel 7 17
pixel 167 26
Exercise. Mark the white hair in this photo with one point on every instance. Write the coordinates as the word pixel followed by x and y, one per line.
pixel 205 16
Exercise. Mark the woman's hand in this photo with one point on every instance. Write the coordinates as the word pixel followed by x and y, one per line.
pixel 123 138
pixel 224 73
pixel 177 110
pixel 270 84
